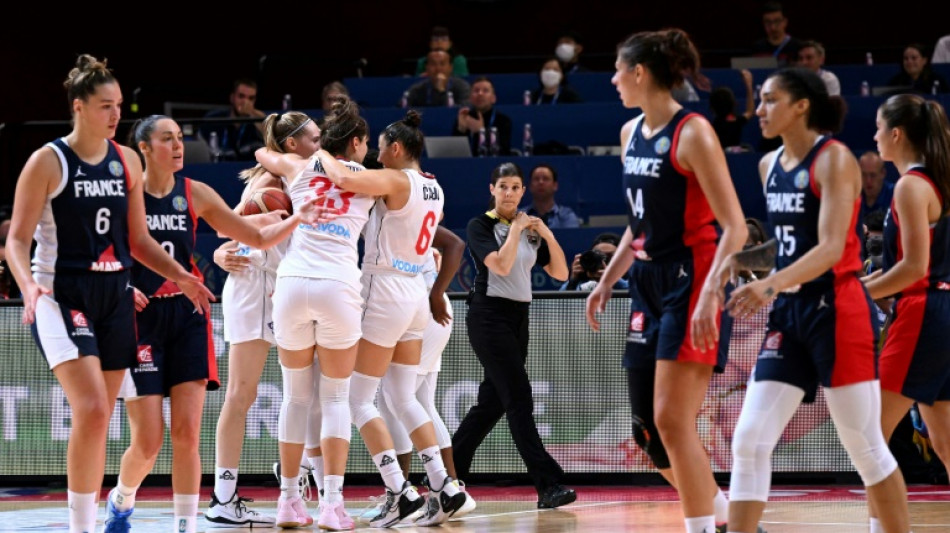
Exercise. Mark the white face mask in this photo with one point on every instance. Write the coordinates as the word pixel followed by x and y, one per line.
pixel 550 78
pixel 564 52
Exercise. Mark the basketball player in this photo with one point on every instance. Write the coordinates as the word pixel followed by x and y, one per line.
pixel 80 198
pixel 317 308
pixel 396 309
pixel 677 187
pixel 821 329
pixel 175 350
pixel 249 326
pixel 913 134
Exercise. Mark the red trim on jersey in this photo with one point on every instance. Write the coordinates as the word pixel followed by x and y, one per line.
pixel 697 215
pixel 850 260
pixel 212 361
pixel 854 337
pixel 901 343
pixel 703 255
pixel 427 175
pixel 194 226
pixel 923 283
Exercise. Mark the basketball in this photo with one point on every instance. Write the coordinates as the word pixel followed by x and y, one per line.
pixel 267 199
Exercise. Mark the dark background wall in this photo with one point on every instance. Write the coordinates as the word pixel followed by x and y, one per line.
pixel 190 52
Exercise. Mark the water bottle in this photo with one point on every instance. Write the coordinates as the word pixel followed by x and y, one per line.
pixel 214 147
pixel 935 88
pixel 405 100
pixel 449 98
pixel 527 145
pixel 865 88
pixel 286 105
pixel 527 98
pixel 869 59
pixel 494 148
pixel 482 144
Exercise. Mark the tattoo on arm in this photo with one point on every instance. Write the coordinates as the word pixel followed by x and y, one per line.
pixel 769 292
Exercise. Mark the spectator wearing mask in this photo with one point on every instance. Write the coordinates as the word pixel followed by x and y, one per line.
pixel 568 51
pixel 554 88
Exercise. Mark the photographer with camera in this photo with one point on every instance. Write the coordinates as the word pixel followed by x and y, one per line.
pixel 589 266
pixel 483 115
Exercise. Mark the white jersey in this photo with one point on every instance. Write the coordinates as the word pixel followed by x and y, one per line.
pixel 327 250
pixel 398 241
pixel 266 260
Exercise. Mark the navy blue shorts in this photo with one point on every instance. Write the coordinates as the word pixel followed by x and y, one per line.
pixel 175 346
pixel 662 298
pixel 89 313
pixel 824 336
pixel 915 360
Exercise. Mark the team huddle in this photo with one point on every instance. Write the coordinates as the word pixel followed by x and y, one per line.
pixel 112 276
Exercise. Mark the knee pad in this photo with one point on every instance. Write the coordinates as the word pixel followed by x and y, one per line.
pixel 401 442
pixel 362 398
pixel 315 419
pixel 334 400
pixel 425 393
pixel 399 385
pixel 648 438
pixel 295 407
pixel 856 411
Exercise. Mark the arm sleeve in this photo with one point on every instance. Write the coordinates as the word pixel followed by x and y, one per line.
pixel 481 238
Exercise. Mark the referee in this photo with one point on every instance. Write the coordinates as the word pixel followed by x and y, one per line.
pixel 505 245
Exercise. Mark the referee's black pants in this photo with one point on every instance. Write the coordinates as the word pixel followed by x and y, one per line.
pixel 498 332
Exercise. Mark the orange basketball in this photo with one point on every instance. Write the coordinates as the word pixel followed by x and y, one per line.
pixel 267 199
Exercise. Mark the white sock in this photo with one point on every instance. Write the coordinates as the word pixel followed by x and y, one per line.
pixel 721 507
pixel 701 524
pixel 432 461
pixel 876 526
pixel 124 496
pixel 334 489
pixel 289 486
pixel 186 513
pixel 316 463
pixel 388 467
pixel 83 509
pixel 225 483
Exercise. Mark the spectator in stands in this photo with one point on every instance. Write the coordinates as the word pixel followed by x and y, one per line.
pixel 330 90
pixel 238 140
pixel 941 50
pixel 726 122
pixel 568 51
pixel 876 194
pixel 917 74
pixel 777 42
pixel 482 114
pixel 543 186
pixel 554 88
pixel 439 39
pixel 589 266
pixel 440 81
pixel 811 55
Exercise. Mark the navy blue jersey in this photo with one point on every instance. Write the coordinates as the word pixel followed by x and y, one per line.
pixel 84 225
pixel 666 209
pixel 172 222
pixel 938 270
pixel 793 201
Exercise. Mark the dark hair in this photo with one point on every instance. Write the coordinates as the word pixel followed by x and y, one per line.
pixel 757 232
pixel 722 101
pixel 243 81
pixel 610 237
pixel 925 124
pixel 505 170
pixel 142 132
pixel 278 127
pixel 547 166
pixel 334 85
pixel 342 124
pixel 826 113
pixel 573 35
pixel 481 79
pixel 772 7
pixel 407 133
pixel 668 54
pixel 83 79
pixel 874 220
pixel 819 48
pixel 439 31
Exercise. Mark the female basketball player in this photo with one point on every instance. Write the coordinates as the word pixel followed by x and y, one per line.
pixel 821 328
pixel 913 133
pixel 248 324
pixel 400 232
pixel 677 187
pixel 80 197
pixel 175 351
pixel 317 307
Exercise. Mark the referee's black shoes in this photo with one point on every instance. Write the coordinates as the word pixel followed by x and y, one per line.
pixel 556 496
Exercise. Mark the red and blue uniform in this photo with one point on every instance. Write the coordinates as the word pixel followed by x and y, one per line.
pixel 915 360
pixel 826 331
pixel 175 342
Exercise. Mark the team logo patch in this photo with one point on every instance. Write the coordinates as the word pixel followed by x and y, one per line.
pixel 801 179
pixel 145 354
pixel 773 341
pixel 636 321
pixel 662 145
pixel 79 319
pixel 179 203
pixel 115 168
